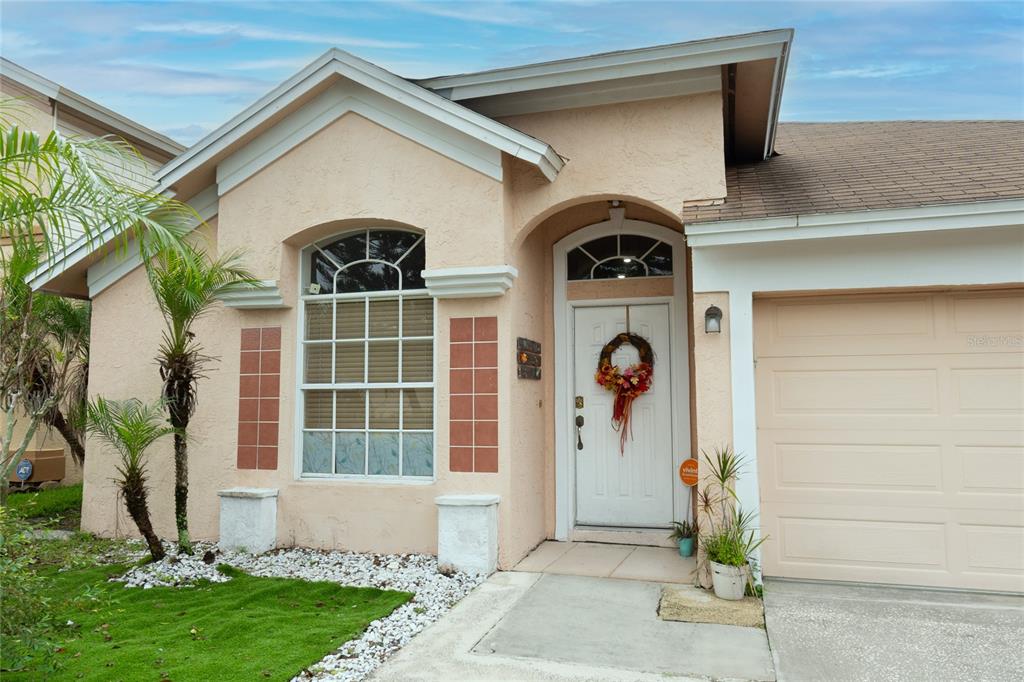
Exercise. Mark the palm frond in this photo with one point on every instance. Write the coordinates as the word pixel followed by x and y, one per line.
pixel 58 189
pixel 129 427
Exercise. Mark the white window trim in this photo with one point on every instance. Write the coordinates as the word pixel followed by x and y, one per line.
pixel 301 386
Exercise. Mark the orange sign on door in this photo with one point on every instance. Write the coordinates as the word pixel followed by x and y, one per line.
pixel 688 472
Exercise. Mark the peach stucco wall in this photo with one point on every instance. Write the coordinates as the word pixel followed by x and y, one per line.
pixel 658 152
pixel 354 173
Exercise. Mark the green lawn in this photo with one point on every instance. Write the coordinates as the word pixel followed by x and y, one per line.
pixel 245 629
pixel 54 502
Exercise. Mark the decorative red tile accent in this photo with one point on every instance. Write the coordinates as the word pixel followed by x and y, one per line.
pixel 250 363
pixel 460 459
pixel 484 433
pixel 461 381
pixel 269 409
pixel 267 458
pixel 462 355
pixel 249 386
pixel 268 433
pixel 485 406
pixel 246 456
pixel 473 384
pixel 270 385
pixel 485 381
pixel 248 409
pixel 248 433
pixel 486 329
pixel 462 407
pixel 461 433
pixel 250 339
pixel 259 386
pixel 270 362
pixel 461 329
pixel 486 460
pixel 486 355
pixel 271 338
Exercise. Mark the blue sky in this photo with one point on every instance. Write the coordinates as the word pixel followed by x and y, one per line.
pixel 183 68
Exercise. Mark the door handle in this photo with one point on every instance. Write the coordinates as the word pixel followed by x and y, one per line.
pixel 579 432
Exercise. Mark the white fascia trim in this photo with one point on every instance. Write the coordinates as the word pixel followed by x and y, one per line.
pixel 470 282
pixel 1004 213
pixel 205 205
pixel 339 63
pixel 267 294
pixel 348 97
pixel 614 65
pixel 86 107
pixel 675 84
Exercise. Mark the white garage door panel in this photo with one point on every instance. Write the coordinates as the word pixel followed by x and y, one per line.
pixel 891 438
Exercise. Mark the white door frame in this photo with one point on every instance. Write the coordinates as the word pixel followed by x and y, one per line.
pixel 565 465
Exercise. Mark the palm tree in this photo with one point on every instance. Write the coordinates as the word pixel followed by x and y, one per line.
pixel 56 190
pixel 130 427
pixel 186 283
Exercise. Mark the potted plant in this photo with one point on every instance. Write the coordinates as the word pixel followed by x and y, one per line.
pixel 730 537
pixel 684 533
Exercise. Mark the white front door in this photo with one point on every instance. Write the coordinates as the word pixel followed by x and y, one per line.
pixel 633 488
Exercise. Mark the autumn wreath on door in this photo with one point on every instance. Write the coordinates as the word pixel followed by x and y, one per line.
pixel 628 384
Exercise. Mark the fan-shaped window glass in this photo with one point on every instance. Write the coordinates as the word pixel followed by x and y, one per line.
pixel 367 378
pixel 620 257
pixel 370 260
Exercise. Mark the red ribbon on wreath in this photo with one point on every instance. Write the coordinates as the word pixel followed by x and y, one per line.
pixel 627 385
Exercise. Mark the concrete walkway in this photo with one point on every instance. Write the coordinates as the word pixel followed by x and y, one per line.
pixel 599 560
pixel 851 633
pixel 532 626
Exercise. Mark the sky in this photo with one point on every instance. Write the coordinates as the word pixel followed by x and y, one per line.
pixel 183 68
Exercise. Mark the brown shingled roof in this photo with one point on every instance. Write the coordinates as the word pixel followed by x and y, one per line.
pixel 840 167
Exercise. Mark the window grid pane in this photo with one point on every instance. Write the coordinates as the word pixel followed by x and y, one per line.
pixel 376 345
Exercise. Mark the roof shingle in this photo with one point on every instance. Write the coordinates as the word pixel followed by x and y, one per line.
pixel 840 167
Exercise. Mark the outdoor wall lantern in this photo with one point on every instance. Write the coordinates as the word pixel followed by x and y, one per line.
pixel 713 320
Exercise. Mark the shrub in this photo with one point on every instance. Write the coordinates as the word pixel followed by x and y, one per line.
pixel 26 617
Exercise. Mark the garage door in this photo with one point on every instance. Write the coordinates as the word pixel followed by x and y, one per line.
pixel 891 438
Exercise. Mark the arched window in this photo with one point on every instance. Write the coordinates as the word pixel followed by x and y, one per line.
pixel 620 256
pixel 367 385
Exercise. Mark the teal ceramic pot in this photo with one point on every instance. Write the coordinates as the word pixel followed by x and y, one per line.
pixel 686 547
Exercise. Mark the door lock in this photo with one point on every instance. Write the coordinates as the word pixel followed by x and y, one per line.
pixel 579 402
pixel 579 431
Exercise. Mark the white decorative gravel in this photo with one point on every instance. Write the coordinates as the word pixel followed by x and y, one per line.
pixel 434 592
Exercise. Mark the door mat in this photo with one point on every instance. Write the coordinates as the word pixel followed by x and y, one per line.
pixel 694 605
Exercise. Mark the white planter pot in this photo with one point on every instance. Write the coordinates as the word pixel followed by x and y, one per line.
pixel 729 581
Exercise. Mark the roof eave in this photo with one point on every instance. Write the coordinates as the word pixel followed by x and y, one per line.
pixel 337 62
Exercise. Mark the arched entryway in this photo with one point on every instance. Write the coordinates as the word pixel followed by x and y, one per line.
pixel 620 274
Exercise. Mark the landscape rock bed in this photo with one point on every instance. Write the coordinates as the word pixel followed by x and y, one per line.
pixel 435 592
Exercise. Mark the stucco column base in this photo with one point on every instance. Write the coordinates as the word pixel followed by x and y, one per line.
pixel 467 533
pixel 248 519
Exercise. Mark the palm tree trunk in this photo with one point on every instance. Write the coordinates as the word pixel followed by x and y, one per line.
pixel 57 420
pixel 181 491
pixel 134 490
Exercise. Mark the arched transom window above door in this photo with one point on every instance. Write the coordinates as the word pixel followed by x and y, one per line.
pixel 619 256
pixel 367 354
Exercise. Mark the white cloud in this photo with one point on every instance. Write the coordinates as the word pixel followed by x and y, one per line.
pixel 882 71
pixel 289 63
pixel 224 29
pixel 22 46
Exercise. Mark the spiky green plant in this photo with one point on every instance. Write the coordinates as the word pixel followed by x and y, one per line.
pixel 130 427
pixel 728 534
pixel 186 283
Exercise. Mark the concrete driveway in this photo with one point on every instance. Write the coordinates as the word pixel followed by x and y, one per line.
pixel 849 633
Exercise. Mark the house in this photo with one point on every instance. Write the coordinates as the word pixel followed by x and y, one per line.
pixel 842 303
pixel 42 106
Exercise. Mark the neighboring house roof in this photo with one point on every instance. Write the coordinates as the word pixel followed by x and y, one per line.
pixel 74 103
pixel 847 167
